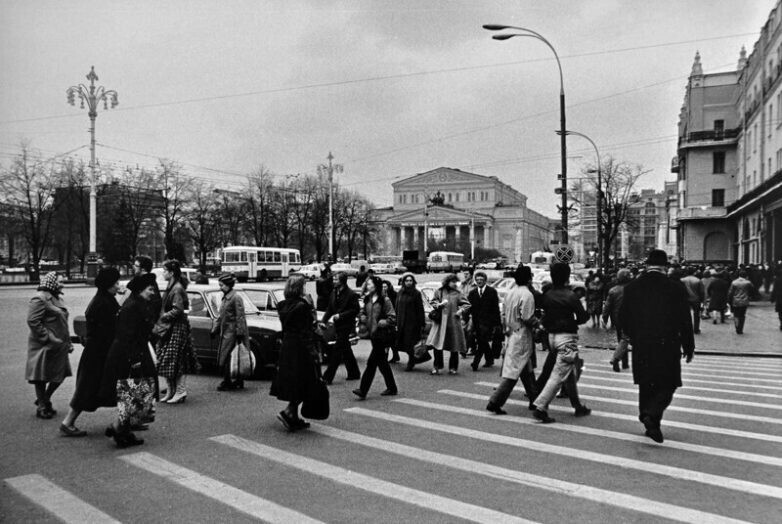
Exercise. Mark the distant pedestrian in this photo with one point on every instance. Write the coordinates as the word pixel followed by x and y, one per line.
pixel 611 310
pixel 101 318
pixel 465 287
pixel 656 315
pixel 343 309
pixel 297 372
pixel 231 327
pixel 695 297
pixel 323 288
pixel 380 318
pixel 718 297
pixel 595 294
pixel 740 292
pixel 563 313
pixel 48 344
pixel 520 323
pixel 485 317
pixel 175 355
pixel 410 318
pixel 129 375
pixel 447 333
pixel 776 296
pixel 361 276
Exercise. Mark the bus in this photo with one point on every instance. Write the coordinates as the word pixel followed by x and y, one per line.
pixel 447 261
pixel 260 263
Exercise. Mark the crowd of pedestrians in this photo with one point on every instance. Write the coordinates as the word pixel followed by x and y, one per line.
pixel 656 310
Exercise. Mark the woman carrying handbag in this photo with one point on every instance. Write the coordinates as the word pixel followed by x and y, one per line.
pixel 448 334
pixel 231 327
pixel 380 319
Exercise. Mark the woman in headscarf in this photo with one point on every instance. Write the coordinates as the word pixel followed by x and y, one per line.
pixel 175 355
pixel 296 368
pixel 410 318
pixel 48 344
pixel 129 376
pixel 231 326
pixel 447 333
pixel 101 316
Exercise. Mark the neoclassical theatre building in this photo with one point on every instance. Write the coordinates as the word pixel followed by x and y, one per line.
pixel 456 208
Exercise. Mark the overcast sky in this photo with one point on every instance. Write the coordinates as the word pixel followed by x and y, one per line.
pixel 392 88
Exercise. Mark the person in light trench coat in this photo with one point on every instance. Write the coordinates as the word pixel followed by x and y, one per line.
pixel 519 321
pixel 232 329
pixel 448 334
pixel 48 344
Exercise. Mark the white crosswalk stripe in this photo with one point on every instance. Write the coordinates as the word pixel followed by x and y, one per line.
pixel 688 387
pixel 235 498
pixel 581 454
pixel 594 370
pixel 59 502
pixel 680 395
pixel 340 475
pixel 633 418
pixel 696 448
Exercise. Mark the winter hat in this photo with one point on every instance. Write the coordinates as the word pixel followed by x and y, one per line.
pixel 50 283
pixel 106 277
pixel 141 282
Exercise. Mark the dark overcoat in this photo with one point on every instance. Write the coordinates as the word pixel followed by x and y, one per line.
pixel 410 319
pixel 718 294
pixel 101 316
pixel 231 325
pixel 343 302
pixel 655 314
pixel 484 310
pixel 129 354
pixel 296 368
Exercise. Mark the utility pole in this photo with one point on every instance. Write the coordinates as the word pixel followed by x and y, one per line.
pixel 92 96
pixel 330 169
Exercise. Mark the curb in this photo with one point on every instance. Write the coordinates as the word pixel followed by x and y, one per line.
pixel 710 352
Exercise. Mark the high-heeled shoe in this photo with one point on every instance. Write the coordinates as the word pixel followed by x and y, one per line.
pixel 178 398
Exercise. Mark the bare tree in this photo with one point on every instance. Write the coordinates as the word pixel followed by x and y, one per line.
pixel 260 205
pixel 71 218
pixel 173 188
pixel 27 190
pixel 351 219
pixel 202 219
pixel 231 212
pixel 618 182
pixel 140 192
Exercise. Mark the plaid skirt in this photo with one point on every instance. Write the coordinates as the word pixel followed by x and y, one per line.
pixel 175 355
pixel 135 400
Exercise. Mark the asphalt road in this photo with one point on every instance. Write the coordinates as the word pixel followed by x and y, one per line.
pixel 432 454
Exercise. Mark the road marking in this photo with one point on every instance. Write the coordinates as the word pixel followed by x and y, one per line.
pixel 344 476
pixel 733 368
pixel 561 487
pixel 745 486
pixel 738 372
pixel 738 416
pixel 619 416
pixel 696 448
pixel 688 374
pixel 687 387
pixel 61 503
pixel 723 401
pixel 593 370
pixel 752 361
pixel 237 499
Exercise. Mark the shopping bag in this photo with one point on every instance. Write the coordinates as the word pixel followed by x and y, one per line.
pixel 242 362
pixel 316 402
pixel 135 400
pixel 421 352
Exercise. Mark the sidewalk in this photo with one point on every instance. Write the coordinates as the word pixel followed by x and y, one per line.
pixel 762 336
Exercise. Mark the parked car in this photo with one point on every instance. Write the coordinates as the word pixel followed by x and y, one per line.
pixel 346 268
pixel 384 268
pixel 188 272
pixel 265 330
pixel 576 282
pixel 311 271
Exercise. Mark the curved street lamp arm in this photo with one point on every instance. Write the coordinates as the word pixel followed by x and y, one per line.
pixel 531 34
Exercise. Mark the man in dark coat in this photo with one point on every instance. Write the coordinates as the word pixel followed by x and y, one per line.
pixel 655 314
pixel 342 309
pixel 323 288
pixel 485 312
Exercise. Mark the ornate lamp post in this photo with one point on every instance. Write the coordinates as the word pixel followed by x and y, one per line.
pixel 563 144
pixel 92 96
pixel 599 199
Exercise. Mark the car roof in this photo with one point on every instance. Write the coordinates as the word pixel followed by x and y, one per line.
pixel 265 286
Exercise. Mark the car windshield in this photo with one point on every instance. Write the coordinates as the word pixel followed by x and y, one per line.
pixel 215 299
pixel 279 295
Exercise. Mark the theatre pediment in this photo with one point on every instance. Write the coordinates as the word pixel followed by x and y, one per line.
pixel 437 215
pixel 441 175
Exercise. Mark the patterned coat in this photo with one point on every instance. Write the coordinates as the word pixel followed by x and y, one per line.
pixel 231 325
pixel 49 342
pixel 448 334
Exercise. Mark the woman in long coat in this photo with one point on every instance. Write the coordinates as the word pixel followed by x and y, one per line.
pixel 380 318
pixel 101 316
pixel 232 328
pixel 390 293
pixel 595 294
pixel 48 344
pixel 297 371
pixel 129 376
pixel 410 318
pixel 175 355
pixel 448 333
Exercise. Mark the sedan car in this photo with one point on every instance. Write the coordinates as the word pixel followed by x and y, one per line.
pixel 344 268
pixel 265 330
pixel 576 283
pixel 310 271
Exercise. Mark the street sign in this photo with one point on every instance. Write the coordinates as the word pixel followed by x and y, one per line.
pixel 564 253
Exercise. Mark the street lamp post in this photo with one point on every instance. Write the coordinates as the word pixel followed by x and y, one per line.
pixel 330 169
pixel 562 143
pixel 599 199
pixel 92 96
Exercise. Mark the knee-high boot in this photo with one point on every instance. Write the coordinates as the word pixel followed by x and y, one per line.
pixel 181 391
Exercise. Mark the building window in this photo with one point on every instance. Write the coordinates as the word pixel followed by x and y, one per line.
pixel 718 163
pixel 719 126
pixel 457 197
pixel 717 197
pixel 450 197
pixel 770 118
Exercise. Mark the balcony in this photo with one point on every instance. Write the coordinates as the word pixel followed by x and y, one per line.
pixel 700 213
pixel 713 135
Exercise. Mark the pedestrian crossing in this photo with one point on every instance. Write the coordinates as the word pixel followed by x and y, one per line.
pixel 440 456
